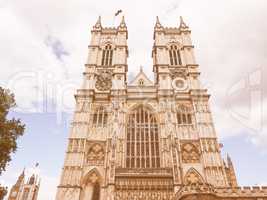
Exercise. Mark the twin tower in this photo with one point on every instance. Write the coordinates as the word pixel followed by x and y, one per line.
pixel 141 139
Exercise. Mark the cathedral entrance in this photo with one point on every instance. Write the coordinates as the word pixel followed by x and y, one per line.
pixel 143 178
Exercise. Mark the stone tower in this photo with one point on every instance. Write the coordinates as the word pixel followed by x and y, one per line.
pixel 145 140
pixel 25 190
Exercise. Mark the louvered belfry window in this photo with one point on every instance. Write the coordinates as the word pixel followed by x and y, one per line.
pixel 175 55
pixel 107 55
pixel 142 139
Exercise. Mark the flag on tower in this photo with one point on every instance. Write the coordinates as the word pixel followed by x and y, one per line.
pixel 118 12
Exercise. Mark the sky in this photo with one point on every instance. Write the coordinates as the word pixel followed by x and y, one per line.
pixel 44 48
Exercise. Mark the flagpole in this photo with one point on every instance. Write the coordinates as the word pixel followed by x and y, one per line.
pixel 114 17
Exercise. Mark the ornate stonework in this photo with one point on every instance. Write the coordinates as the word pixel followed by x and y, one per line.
pixel 144 140
pixel 96 154
pixel 25 190
pixel 190 152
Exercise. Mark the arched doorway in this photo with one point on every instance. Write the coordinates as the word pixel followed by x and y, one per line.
pixel 91 187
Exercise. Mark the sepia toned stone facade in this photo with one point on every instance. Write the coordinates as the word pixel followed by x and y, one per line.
pixel 143 139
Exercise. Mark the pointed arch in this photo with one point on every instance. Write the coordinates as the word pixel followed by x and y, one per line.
pixel 175 54
pixel 91 185
pixel 147 106
pixel 193 177
pixel 142 148
pixel 91 177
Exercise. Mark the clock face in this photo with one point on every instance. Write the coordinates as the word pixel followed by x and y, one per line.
pixel 104 81
pixel 179 84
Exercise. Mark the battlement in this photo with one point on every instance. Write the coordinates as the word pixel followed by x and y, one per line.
pixel 108 30
pixel 242 191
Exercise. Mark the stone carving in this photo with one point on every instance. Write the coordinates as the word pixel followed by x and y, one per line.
pixel 195 184
pixel 190 153
pixel 193 178
pixel 96 155
pixel 104 80
pixel 178 73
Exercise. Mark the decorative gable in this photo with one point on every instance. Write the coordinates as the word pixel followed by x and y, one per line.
pixel 141 80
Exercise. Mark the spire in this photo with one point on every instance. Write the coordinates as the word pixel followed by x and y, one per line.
pixel 21 178
pixel 158 24
pixel 183 24
pixel 98 24
pixel 122 24
pixel 32 180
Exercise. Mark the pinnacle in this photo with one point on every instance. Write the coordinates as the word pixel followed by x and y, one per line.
pixel 182 23
pixel 122 24
pixel 158 24
pixel 98 23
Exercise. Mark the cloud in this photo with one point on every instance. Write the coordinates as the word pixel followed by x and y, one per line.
pixel 56 46
pixel 44 47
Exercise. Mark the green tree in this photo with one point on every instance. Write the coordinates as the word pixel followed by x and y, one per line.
pixel 10 131
pixel 3 192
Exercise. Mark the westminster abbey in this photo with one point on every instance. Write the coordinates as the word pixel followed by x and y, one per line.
pixel 141 139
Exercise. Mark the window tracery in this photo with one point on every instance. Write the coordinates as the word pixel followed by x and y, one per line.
pixel 175 55
pixel 107 54
pixel 142 139
pixel 100 117
pixel 184 115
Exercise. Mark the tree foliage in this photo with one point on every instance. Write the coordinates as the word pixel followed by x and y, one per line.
pixel 10 129
pixel 3 192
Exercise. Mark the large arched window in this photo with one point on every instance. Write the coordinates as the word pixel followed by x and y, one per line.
pixel 100 117
pixel 107 55
pixel 175 56
pixel 142 139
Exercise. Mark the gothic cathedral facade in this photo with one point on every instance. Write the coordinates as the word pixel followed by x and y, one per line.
pixel 25 190
pixel 145 140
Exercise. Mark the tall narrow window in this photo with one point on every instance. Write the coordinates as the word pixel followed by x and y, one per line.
pixel 107 55
pixel 100 117
pixel 175 56
pixel 142 139
pixel 184 115
pixel 96 191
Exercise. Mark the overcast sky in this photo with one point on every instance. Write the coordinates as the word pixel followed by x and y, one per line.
pixel 44 48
